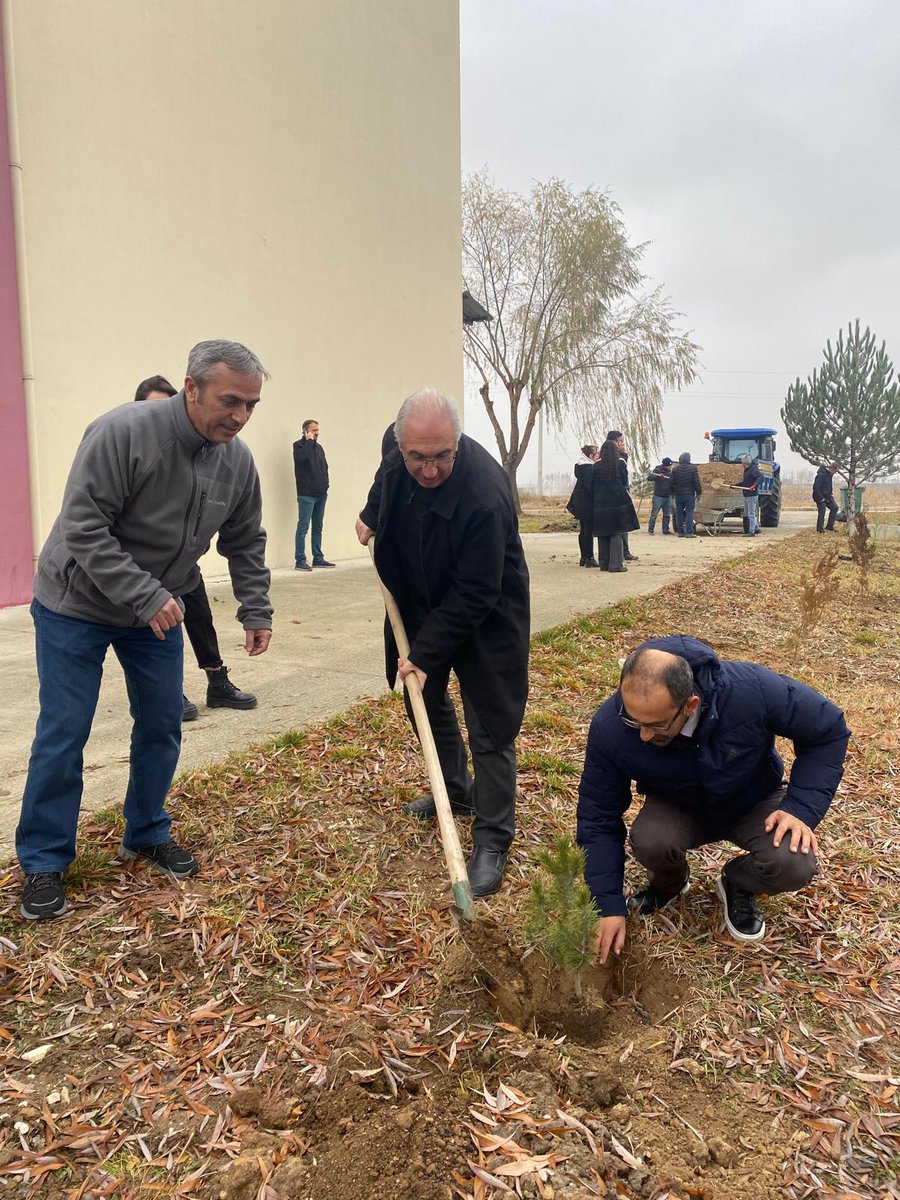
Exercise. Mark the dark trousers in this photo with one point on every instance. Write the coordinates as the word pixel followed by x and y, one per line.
pixel 663 832
pixel 493 790
pixel 585 540
pixel 826 506
pixel 200 629
pixel 684 514
pixel 611 551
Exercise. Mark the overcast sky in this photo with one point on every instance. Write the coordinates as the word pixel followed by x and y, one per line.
pixel 755 145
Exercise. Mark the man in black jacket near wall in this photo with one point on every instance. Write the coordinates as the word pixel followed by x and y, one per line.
pixel 311 477
pixel 447 547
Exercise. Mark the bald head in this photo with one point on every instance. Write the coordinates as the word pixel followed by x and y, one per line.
pixel 657 694
pixel 647 670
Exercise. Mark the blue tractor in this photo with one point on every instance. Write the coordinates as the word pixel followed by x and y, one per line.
pixel 730 445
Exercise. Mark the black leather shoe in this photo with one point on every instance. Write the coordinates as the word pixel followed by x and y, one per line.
pixel 630 557
pixel 189 710
pixel 425 809
pixel 592 562
pixel 486 869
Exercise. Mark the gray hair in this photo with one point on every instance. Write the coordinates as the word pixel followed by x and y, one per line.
pixel 205 355
pixel 647 668
pixel 746 460
pixel 685 457
pixel 427 402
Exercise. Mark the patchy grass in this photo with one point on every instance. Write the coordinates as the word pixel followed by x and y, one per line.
pixel 308 966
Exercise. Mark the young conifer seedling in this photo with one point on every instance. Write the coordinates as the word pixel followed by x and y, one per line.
pixel 561 914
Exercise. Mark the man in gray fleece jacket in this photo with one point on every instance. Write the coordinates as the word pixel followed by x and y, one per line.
pixel 150 487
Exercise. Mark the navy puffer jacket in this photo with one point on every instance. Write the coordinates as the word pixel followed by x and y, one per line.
pixel 729 765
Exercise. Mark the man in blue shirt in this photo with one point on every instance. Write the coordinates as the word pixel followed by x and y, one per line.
pixel 697 737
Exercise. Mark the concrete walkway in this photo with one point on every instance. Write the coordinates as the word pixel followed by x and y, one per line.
pixel 327 653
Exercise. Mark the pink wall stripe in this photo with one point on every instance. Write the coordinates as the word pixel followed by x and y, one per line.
pixel 16 568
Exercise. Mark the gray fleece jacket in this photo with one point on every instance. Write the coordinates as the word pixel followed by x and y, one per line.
pixel 145 496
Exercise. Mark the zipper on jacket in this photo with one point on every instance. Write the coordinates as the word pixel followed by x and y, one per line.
pixel 187 515
pixel 200 508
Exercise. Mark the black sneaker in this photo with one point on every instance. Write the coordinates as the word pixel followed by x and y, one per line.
pixel 189 710
pixel 322 562
pixel 651 900
pixel 302 566
pixel 743 916
pixel 167 857
pixel 424 808
pixel 222 693
pixel 43 896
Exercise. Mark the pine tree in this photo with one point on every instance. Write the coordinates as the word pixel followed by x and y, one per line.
pixel 848 412
pixel 561 913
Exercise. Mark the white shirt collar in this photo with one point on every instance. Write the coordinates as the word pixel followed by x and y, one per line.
pixel 690 725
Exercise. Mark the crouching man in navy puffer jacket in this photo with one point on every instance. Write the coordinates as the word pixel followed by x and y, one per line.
pixel 697 737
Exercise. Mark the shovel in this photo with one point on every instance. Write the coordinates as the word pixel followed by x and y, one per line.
pixel 456 864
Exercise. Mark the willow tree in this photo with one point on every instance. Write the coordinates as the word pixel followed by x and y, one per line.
pixel 848 412
pixel 574 330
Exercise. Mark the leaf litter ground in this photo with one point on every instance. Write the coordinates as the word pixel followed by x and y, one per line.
pixel 304 1019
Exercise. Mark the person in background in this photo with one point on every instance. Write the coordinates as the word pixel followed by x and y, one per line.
pixel 686 487
pixel 198 620
pixel 614 513
pixel 311 477
pixel 750 487
pixel 661 478
pixel 581 504
pixel 616 435
pixel 823 495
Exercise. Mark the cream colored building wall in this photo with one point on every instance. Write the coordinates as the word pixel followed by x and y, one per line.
pixel 281 172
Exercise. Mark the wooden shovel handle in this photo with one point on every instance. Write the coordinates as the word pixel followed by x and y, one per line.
pixel 453 855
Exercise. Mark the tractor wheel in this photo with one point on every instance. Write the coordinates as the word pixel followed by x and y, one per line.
pixel 770 507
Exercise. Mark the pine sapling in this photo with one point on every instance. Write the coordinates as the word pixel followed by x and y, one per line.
pixel 561 914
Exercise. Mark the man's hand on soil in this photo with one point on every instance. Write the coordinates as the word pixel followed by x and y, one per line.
pixel 802 837
pixel 610 935
pixel 167 618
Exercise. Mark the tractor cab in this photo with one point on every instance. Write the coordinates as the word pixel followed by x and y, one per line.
pixel 730 445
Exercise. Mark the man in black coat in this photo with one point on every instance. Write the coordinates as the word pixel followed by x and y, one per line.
pixel 823 494
pixel 447 547
pixel 311 477
pixel 617 436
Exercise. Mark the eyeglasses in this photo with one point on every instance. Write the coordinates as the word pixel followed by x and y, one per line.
pixel 653 728
pixel 417 461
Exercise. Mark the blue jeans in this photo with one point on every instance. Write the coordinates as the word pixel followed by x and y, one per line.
pixel 309 508
pixel 684 515
pixel 659 504
pixel 751 513
pixel 70 657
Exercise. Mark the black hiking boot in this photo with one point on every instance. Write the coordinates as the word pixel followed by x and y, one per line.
pixel 222 693
pixel 743 916
pixel 651 900
pixel 189 710
pixel 43 896
pixel 167 857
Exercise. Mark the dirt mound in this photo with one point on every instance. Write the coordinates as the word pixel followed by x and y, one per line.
pixel 533 994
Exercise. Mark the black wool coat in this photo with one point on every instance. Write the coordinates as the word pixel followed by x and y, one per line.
pixel 581 502
pixel 613 509
pixel 478 622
